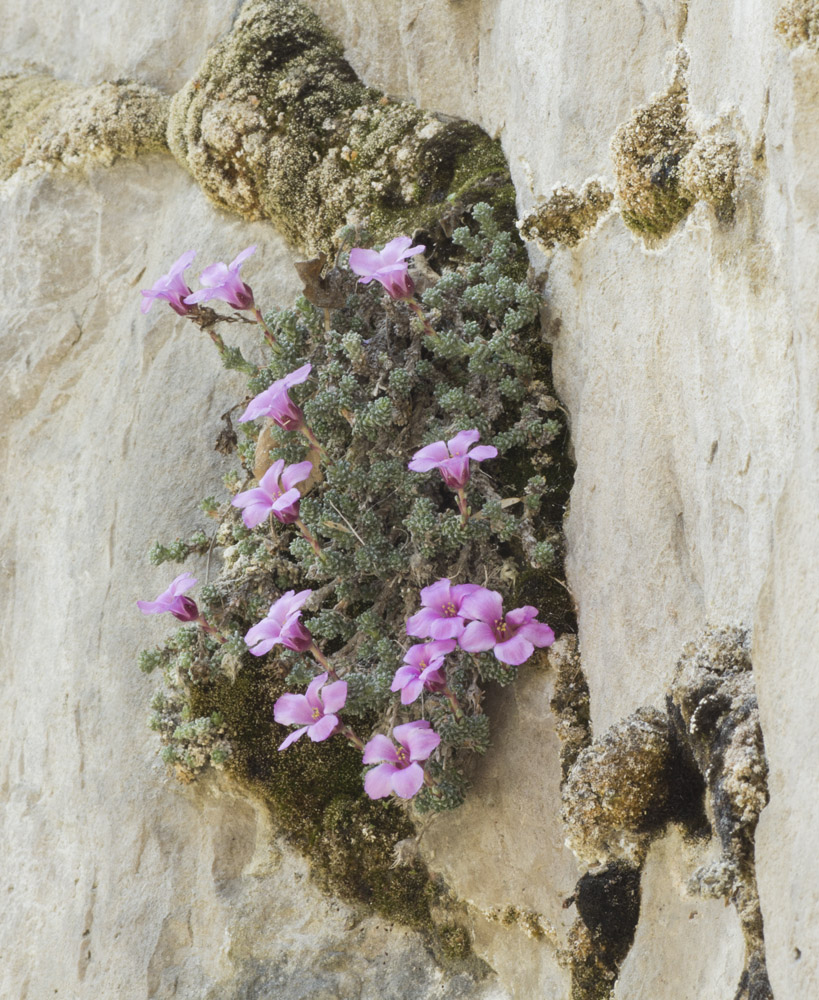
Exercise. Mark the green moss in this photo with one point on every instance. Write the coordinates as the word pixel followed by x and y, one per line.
pixel 566 216
pixel 276 125
pixel 314 792
pixel 647 151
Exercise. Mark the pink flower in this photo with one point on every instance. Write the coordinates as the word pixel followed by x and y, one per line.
pixel 281 626
pixel 421 670
pixel 399 771
pixel 276 492
pixel 440 615
pixel 512 639
pixel 222 281
pixel 388 267
pixel 183 608
pixel 276 404
pixel 452 458
pixel 171 286
pixel 314 712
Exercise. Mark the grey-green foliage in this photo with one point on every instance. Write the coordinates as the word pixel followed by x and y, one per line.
pixel 380 388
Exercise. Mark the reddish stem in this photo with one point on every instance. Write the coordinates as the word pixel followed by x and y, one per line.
pixel 419 312
pixel 268 333
pixel 306 533
pixel 322 660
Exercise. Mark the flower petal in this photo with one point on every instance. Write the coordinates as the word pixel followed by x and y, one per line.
pixel 482 452
pixel 419 624
pixel 286 500
pixel 270 480
pixel 297 377
pixel 403 676
pixel 408 781
pixel 312 693
pixel 296 473
pixel 521 616
pixel 538 633
pixel 516 650
pixel 292 738
pixel 477 637
pixel 365 262
pixel 293 710
pixel 459 445
pixel 429 457
pixel 379 748
pixel 411 691
pixel 334 696
pixel 323 729
pixel 239 259
pixel 420 743
pixel 263 637
pixel 438 593
pixel 378 781
pixel 483 605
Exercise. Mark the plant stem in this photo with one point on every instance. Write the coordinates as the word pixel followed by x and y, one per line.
pixel 322 660
pixel 210 629
pixel 268 333
pixel 462 506
pixel 351 736
pixel 419 312
pixel 306 533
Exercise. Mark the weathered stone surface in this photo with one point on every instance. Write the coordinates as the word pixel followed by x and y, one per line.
pixel 703 931
pixel 117 881
pixel 690 375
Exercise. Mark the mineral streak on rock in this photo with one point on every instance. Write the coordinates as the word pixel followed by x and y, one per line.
pixel 715 702
pixel 277 126
pixel 647 151
pixel 47 123
pixel 798 23
pixel 567 216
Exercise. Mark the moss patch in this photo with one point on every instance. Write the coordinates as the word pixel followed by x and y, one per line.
pixel 47 123
pixel 276 125
pixel 315 794
pixel 647 150
pixel 566 216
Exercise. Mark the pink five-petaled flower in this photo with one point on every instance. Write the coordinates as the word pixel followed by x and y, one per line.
pixel 276 492
pixel 389 267
pixel 276 404
pixel 173 601
pixel 421 669
pixel 281 626
pixel 440 615
pixel 452 457
pixel 512 639
pixel 222 281
pixel 171 286
pixel 399 772
pixel 314 712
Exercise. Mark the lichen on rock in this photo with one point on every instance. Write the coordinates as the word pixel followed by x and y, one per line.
pixel 276 125
pixel 798 23
pixel 647 151
pixel 617 793
pixel 567 216
pixel 47 123
pixel 715 705
pixel 709 172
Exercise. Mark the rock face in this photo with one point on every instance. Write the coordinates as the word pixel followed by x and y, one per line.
pixel 683 325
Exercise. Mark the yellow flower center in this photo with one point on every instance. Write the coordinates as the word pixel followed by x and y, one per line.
pixel 449 609
pixel 316 713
